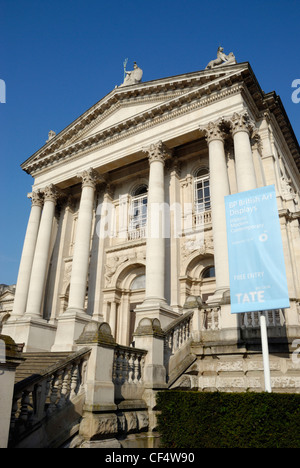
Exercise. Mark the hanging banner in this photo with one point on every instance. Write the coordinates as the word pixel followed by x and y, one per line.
pixel 255 252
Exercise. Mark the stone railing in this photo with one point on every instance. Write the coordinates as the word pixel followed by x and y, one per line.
pixel 210 319
pixel 178 332
pixel 136 234
pixel 128 372
pixel 274 318
pixel 41 396
pixel 202 218
pixel 178 337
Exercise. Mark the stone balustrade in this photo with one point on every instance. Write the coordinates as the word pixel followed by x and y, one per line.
pixel 128 372
pixel 202 218
pixel 38 398
pixel 274 318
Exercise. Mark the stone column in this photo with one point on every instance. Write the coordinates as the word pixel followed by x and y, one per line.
pixel 27 255
pixel 219 188
pixel 72 321
pixel 155 252
pixel 241 126
pixel 80 264
pixel 41 256
pixel 155 304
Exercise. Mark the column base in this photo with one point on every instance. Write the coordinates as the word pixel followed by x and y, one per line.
pixel 36 333
pixel 69 327
pixel 153 308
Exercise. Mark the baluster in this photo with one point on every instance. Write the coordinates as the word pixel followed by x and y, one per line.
pixel 65 387
pixel 54 392
pixel 74 380
pixel 131 363
pixel 123 366
pixel 141 368
pixel 83 373
pixel 24 412
pixel 14 410
pixel 138 369
pixel 119 368
pixel 114 371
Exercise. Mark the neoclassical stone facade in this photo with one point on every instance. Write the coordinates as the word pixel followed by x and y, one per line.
pixel 128 216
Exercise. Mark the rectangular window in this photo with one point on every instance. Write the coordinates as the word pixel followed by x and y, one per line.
pixel 138 214
pixel 202 194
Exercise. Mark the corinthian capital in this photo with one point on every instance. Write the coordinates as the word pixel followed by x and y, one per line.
pixel 90 178
pixel 37 198
pixel 157 152
pixel 214 131
pixel 241 122
pixel 51 193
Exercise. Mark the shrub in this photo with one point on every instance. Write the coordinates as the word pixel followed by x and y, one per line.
pixel 188 419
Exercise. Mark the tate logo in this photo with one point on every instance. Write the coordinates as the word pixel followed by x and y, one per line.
pixel 296 93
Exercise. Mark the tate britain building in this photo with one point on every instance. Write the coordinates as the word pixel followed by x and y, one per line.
pixel 127 223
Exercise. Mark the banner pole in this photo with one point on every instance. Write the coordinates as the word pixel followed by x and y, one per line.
pixel 265 351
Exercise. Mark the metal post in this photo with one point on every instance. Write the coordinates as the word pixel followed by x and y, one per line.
pixel 265 352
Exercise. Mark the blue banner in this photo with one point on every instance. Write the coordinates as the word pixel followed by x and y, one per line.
pixel 255 252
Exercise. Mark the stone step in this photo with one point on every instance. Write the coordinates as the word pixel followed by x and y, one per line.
pixel 38 363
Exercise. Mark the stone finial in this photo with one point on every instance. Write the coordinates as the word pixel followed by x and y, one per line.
pixel 95 332
pixel 148 326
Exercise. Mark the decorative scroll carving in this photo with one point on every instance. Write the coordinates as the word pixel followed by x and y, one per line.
pixel 157 152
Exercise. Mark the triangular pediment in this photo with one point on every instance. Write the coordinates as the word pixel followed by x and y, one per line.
pixel 119 112
pixel 124 104
pixel 126 109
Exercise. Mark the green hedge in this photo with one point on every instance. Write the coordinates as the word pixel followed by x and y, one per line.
pixel 188 419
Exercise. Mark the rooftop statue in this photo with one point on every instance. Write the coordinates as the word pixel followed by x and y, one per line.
pixel 222 59
pixel 132 77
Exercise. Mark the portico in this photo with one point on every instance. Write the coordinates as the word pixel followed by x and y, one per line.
pixel 135 188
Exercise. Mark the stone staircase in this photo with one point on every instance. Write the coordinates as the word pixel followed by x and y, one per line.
pixel 48 398
pixel 37 363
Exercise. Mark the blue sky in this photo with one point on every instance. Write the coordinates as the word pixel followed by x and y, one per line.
pixel 60 57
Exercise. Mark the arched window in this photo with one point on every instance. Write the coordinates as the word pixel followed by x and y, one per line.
pixel 202 191
pixel 209 272
pixel 138 209
pixel 138 283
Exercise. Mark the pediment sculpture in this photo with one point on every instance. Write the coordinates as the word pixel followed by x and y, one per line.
pixel 222 59
pixel 132 77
